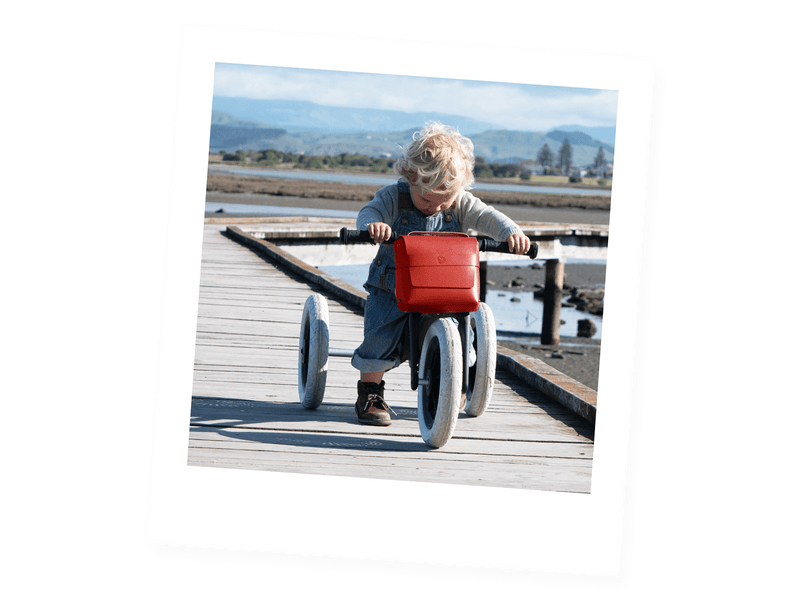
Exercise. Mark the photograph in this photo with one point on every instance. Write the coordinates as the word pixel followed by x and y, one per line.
pixel 387 288
pixel 402 277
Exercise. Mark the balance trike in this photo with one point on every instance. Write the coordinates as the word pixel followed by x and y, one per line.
pixel 438 285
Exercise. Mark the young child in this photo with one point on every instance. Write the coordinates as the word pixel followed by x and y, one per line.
pixel 436 170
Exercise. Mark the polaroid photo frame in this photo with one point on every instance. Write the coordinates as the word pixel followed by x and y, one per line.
pixel 313 515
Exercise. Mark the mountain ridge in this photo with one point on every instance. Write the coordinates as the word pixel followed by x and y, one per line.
pixel 231 132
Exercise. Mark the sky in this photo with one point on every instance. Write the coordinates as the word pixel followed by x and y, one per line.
pixel 507 105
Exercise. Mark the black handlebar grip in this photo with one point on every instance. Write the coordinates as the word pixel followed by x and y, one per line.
pixel 354 236
pixel 490 245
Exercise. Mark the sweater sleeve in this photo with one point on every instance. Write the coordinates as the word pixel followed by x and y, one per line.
pixel 475 214
pixel 382 208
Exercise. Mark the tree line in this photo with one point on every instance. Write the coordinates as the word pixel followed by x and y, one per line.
pixel 550 162
pixel 563 160
pixel 272 158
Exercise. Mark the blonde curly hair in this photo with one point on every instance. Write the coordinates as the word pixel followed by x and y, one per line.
pixel 438 158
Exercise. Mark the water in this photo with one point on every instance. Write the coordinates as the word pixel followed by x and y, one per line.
pixel 517 313
pixel 389 179
pixel 277 211
pixel 521 313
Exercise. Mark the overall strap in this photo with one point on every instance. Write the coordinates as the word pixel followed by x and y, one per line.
pixel 404 200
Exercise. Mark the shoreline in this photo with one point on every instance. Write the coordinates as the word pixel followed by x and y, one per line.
pixel 331 190
pixel 217 162
pixel 575 356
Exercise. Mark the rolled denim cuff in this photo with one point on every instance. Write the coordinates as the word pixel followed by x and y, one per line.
pixel 372 365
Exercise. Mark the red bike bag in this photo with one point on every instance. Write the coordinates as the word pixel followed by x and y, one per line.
pixel 437 272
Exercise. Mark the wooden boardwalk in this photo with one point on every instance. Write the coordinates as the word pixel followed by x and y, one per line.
pixel 246 413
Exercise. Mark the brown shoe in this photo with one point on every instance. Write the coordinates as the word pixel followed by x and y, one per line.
pixel 371 408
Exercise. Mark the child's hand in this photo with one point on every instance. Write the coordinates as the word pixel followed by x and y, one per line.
pixel 518 243
pixel 380 232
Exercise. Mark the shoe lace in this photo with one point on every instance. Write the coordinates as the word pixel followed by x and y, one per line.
pixel 377 400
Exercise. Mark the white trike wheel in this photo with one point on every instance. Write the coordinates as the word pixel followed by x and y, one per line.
pixel 440 366
pixel 480 380
pixel 312 361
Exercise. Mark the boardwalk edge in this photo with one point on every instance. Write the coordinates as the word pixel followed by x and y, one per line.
pixel 579 398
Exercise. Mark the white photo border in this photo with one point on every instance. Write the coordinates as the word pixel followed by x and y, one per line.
pixel 318 516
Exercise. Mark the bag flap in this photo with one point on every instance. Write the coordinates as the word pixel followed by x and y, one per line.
pixel 461 277
pixel 436 251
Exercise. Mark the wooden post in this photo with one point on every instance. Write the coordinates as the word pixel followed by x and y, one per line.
pixel 482 275
pixel 553 290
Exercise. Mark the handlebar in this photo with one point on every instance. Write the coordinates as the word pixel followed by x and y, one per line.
pixel 354 236
pixel 490 245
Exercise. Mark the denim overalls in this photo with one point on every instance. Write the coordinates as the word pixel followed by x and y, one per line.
pixel 385 325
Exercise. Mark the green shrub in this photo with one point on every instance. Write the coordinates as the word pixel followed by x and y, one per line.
pixel 271 157
pixel 483 171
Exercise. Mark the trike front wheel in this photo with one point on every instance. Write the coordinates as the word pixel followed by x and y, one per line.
pixel 440 373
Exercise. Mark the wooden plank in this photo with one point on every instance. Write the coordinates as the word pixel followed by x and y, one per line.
pixel 491 451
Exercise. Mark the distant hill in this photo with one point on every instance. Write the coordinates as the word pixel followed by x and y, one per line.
pixel 603 134
pixel 512 146
pixel 231 133
pixel 578 139
pixel 221 118
pixel 296 115
pixel 504 145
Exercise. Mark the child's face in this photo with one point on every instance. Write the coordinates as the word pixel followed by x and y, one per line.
pixel 432 202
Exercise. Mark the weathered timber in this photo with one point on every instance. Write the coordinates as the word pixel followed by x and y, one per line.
pixel 553 293
pixel 580 399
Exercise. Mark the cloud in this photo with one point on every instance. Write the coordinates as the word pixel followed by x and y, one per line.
pixel 512 106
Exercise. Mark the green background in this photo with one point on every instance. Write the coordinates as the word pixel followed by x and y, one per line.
pixel 88 100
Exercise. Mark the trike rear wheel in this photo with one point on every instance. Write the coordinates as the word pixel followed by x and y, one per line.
pixel 312 360
pixel 480 380
pixel 440 368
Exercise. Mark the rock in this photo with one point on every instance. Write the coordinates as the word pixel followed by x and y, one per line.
pixel 586 328
pixel 219 211
pixel 588 300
